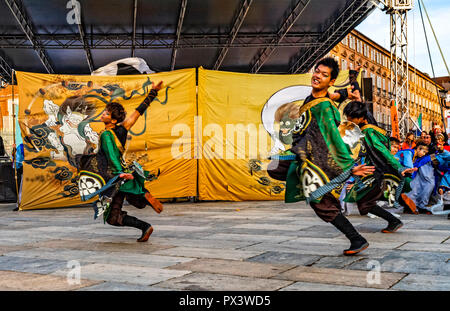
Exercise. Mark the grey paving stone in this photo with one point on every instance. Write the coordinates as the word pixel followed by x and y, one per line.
pixel 124 273
pixel 424 283
pixel 428 247
pixel 218 282
pixel 298 248
pixel 313 233
pixel 336 262
pixel 243 233
pixel 32 265
pixel 4 249
pixel 409 262
pixel 340 277
pixel 234 267
pixel 258 232
pixel 408 235
pixel 126 258
pixel 208 253
pixel 204 243
pixel 303 286
pixel 23 281
pixel 271 227
pixel 443 227
pixel 285 258
pixel 253 238
pixel 115 286
pixel 110 246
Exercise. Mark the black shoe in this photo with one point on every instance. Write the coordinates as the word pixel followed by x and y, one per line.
pixel 146 234
pixel 393 222
pixel 392 227
pixel 357 245
pixel 147 229
pixel 424 211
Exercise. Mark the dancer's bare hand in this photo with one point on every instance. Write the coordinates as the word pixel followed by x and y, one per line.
pixel 126 176
pixel 334 96
pixel 350 186
pixel 363 170
pixel 353 94
pixel 409 171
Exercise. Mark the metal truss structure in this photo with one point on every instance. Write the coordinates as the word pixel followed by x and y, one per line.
pixel 304 45
pixel 5 70
pixel 335 32
pixel 398 12
pixel 178 34
pixel 157 41
pixel 264 53
pixel 237 23
pixel 27 27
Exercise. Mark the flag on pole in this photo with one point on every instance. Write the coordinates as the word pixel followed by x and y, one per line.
pixel 419 123
pixel 394 121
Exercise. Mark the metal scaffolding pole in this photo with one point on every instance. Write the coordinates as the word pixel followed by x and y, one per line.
pixel 177 39
pixel 399 65
pixel 5 70
pixel 263 54
pixel 237 23
pixel 335 32
pixel 27 27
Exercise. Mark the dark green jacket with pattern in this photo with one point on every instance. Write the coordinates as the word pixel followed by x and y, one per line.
pixel 321 153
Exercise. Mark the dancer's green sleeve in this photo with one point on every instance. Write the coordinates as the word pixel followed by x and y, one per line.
pixel 375 139
pixel 108 146
pixel 327 116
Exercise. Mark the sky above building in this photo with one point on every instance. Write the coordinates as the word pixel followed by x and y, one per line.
pixel 377 27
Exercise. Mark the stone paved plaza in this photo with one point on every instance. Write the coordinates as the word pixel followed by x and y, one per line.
pixel 226 246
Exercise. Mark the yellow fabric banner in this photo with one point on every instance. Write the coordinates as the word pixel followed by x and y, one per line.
pixel 55 130
pixel 243 118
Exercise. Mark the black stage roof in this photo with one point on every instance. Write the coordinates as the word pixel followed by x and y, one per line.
pixel 265 36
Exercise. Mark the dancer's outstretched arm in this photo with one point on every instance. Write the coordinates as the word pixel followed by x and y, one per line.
pixel 131 120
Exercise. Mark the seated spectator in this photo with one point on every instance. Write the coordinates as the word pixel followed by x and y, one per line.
pixel 423 181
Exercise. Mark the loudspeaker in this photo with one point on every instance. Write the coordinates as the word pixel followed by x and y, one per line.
pixel 367 90
pixel 7 183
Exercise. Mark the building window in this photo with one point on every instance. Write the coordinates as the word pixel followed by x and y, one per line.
pixel 345 41
pixel 344 64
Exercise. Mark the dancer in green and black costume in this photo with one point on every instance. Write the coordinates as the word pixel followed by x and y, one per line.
pixel 323 161
pixel 376 146
pixel 110 165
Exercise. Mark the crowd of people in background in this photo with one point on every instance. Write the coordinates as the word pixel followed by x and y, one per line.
pixel 430 154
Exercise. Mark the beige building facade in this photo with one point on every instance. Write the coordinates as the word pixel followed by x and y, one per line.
pixel 357 49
